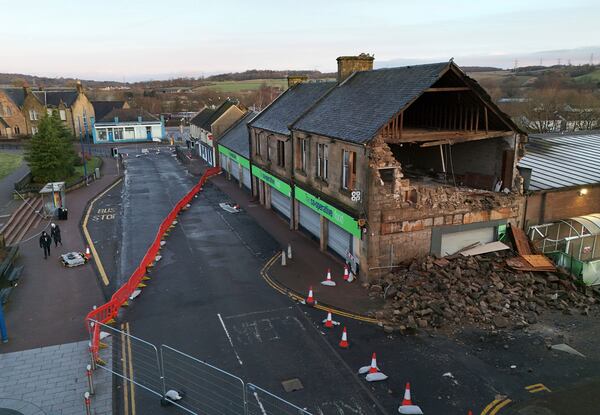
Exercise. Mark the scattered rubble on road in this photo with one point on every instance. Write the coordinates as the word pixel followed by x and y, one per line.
pixel 476 290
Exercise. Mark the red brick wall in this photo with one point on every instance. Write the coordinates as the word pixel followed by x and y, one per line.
pixel 560 205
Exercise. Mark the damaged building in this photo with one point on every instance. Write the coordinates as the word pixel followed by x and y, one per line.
pixel 388 164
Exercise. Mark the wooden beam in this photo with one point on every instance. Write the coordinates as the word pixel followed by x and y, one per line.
pixel 449 89
pixel 401 123
pixel 463 139
pixel 486 119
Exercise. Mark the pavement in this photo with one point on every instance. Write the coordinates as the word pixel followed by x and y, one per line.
pixel 207 298
pixel 48 307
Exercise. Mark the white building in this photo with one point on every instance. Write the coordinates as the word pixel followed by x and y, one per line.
pixel 128 125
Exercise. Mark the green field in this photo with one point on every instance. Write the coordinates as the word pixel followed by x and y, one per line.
pixel 590 77
pixel 243 86
pixel 9 162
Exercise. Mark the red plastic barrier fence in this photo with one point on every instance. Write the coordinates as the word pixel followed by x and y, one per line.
pixel 110 310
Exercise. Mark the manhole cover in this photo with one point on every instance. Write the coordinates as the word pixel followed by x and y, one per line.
pixel 292 385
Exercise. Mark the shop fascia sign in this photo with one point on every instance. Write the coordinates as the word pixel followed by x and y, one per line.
pixel 234 156
pixel 272 181
pixel 341 219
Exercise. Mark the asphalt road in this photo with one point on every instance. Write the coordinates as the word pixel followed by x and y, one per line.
pixel 207 299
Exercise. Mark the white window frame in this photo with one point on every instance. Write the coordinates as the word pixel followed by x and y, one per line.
pixel 49 112
pixel 322 160
pixel 304 150
pixel 345 168
pixel 34 130
pixel 63 115
pixel 33 116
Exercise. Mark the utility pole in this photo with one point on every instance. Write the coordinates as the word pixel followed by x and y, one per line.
pixel 82 151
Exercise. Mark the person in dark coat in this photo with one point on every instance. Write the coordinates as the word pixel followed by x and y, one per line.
pixel 45 242
pixel 55 234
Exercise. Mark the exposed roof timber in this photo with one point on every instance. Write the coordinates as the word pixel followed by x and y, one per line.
pixel 449 89
pixel 464 139
pixel 420 135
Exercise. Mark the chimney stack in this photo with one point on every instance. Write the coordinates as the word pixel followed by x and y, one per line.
pixel 347 65
pixel 296 79
pixel 79 87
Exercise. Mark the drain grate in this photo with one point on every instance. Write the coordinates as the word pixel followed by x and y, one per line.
pixel 292 385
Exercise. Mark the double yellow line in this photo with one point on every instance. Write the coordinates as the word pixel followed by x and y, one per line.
pixel 495 406
pixel 264 272
pixel 88 238
pixel 127 362
pixel 538 387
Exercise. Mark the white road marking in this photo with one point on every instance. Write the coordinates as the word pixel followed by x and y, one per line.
pixel 229 338
pixel 258 312
pixel 260 405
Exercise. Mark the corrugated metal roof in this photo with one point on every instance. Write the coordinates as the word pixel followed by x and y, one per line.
pixel 563 160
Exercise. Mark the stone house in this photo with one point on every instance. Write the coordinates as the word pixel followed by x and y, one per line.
pixel 394 163
pixel 12 121
pixel 271 144
pixel 72 105
pixel 209 124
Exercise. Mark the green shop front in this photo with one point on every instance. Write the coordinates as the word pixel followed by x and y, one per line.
pixel 343 233
pixel 277 192
pixel 236 165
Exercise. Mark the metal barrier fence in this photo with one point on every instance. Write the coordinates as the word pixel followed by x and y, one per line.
pixel 206 389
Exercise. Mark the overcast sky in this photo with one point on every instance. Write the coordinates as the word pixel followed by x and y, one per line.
pixel 144 39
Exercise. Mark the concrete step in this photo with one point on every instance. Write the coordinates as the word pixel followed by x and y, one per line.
pixel 26 220
pixel 14 218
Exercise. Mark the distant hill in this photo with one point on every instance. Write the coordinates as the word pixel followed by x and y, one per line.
pixel 17 79
pixel 267 74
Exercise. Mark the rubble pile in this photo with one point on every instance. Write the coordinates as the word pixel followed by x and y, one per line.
pixel 477 290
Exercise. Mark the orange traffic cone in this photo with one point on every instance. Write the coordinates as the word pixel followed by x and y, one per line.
pixel 310 300
pixel 88 255
pixel 372 372
pixel 328 321
pixel 470 413
pixel 346 274
pixel 344 342
pixel 328 282
pixel 407 406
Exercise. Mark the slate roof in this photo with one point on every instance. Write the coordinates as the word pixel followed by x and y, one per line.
pixel 202 116
pixel 358 107
pixel 289 106
pixel 128 115
pixel 236 137
pixel 562 160
pixel 17 95
pixel 101 108
pixel 54 98
pixel 216 114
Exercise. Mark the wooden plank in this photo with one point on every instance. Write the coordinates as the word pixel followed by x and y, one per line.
pixel 486 118
pixel 538 261
pixel 521 241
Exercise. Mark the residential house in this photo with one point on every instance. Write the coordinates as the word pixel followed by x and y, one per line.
pixel 234 151
pixel 12 121
pixel 391 164
pixel 102 108
pixel 562 213
pixel 124 125
pixel 72 105
pixel 210 124
pixel 271 144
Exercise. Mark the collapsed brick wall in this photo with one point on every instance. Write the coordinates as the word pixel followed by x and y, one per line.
pixel 402 213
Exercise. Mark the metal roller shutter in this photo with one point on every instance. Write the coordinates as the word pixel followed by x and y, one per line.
pixel 339 240
pixel 224 160
pixel 235 170
pixel 310 220
pixel 455 241
pixel 247 178
pixel 280 202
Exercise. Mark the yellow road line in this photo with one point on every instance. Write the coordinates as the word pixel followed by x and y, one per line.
pixel 264 273
pixel 124 364
pixel 89 239
pixel 538 387
pixel 490 406
pixel 500 406
pixel 131 384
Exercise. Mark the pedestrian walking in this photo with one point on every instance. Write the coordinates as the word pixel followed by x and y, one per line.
pixel 45 242
pixel 55 234
pixel 3 335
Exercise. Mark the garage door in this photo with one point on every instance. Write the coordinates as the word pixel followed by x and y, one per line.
pixel 235 170
pixel 224 160
pixel 339 240
pixel 280 202
pixel 310 220
pixel 247 179
pixel 455 241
